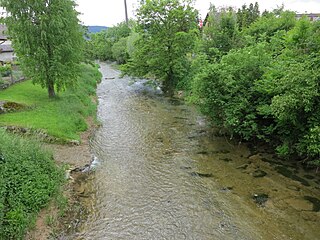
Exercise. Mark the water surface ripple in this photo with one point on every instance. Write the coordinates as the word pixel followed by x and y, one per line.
pixel 156 179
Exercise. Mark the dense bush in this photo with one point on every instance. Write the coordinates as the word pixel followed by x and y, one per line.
pixel 119 51
pixel 268 90
pixel 226 91
pixel 5 70
pixel 29 178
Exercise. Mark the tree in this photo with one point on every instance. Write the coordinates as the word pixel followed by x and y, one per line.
pixel 168 30
pixel 268 25
pixel 247 15
pixel 48 40
pixel 101 43
pixel 221 32
pixel 119 51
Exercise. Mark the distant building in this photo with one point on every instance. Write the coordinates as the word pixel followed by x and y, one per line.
pixel 310 16
pixel 6 50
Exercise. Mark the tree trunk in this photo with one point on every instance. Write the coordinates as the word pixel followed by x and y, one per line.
pixel 51 91
pixel 169 84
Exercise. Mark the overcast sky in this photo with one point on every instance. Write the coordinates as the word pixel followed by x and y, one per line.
pixel 111 12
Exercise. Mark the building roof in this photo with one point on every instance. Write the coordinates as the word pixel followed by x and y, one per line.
pixel 6 48
pixel 308 14
pixel 311 16
pixel 3 30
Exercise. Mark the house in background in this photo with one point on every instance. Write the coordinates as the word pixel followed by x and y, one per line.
pixel 310 16
pixel 6 50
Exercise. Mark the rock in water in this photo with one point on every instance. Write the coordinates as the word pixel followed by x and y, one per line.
pixel 260 199
pixel 259 173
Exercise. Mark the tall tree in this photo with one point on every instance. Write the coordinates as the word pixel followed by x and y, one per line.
pixel 221 32
pixel 48 40
pixel 168 33
pixel 247 15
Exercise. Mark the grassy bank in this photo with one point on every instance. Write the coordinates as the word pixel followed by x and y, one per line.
pixel 29 179
pixel 63 117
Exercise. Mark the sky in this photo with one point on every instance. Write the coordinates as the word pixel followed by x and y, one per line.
pixel 110 12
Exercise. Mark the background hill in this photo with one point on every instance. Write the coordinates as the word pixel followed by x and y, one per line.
pixel 95 29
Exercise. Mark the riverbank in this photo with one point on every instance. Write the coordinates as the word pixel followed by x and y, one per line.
pixel 75 157
pixel 164 174
pixel 69 120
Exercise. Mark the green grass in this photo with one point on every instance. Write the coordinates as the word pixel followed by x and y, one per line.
pixel 29 178
pixel 62 117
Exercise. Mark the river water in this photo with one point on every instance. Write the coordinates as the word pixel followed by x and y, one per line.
pixel 162 174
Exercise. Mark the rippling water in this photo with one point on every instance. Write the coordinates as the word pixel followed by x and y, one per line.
pixel 159 176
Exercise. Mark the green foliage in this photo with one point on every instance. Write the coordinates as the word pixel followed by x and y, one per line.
pixel 5 70
pixel 268 25
pixel 119 51
pixel 221 33
pixel 48 40
pixel 247 15
pixel 168 31
pixel 29 179
pixel 226 91
pixel 62 117
pixel 131 40
pixel 292 82
pixel 268 90
pixel 100 45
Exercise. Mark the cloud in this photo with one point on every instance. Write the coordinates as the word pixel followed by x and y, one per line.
pixel 111 12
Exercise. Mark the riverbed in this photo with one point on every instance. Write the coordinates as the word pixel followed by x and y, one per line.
pixel 161 172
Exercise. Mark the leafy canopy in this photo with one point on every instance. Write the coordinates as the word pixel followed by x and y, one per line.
pixel 168 30
pixel 48 40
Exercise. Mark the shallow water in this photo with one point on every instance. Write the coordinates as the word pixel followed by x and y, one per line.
pixel 161 174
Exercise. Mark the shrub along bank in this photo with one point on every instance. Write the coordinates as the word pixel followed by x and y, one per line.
pixel 29 177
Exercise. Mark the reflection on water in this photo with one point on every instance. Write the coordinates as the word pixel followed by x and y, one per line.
pixel 160 176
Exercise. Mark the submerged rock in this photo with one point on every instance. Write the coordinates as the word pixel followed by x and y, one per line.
pixel 310 177
pixel 185 168
pixel 315 202
pixel 301 180
pixel 299 204
pixel 259 173
pixel 283 170
pixel 202 153
pixel 260 199
pixel 204 175
pixel 294 188
pixel 226 189
pixel 226 159
pixel 244 166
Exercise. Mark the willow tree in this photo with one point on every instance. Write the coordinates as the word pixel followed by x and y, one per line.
pixel 168 30
pixel 48 40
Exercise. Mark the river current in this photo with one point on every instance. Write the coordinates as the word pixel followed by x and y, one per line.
pixel 161 173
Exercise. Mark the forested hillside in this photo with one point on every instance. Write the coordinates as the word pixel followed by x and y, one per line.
pixel 96 29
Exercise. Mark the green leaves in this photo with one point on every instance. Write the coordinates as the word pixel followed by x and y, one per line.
pixel 48 40
pixel 29 178
pixel 168 34
pixel 101 44
pixel 268 90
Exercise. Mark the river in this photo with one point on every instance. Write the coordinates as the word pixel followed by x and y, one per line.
pixel 161 173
